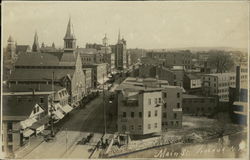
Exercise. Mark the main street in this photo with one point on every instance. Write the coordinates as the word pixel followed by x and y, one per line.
pixel 79 123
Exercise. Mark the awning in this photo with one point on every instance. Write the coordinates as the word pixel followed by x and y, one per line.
pixel 57 106
pixel 40 123
pixel 27 132
pixel 67 108
pixel 27 123
pixel 58 114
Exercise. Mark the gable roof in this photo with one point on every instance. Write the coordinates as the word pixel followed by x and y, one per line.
pixel 12 109
pixel 22 48
pixel 193 76
pixel 37 59
pixel 39 74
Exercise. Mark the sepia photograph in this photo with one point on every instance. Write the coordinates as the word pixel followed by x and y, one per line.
pixel 124 80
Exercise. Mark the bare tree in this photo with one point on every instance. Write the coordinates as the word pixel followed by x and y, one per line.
pixel 221 60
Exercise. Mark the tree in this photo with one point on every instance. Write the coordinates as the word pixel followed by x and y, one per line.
pixel 221 60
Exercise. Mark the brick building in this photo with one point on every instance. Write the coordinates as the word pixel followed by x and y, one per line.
pixel 199 105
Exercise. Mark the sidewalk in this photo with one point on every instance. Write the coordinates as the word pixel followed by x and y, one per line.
pixel 34 143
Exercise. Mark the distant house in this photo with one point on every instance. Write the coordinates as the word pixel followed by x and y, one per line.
pixel 22 118
pixel 192 84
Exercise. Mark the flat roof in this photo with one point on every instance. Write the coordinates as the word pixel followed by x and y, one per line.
pixel 193 96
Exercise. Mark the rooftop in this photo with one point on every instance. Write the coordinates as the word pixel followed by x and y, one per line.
pixel 138 84
pixel 16 110
pixel 186 96
pixel 30 88
pixel 193 76
pixel 35 74
pixel 221 74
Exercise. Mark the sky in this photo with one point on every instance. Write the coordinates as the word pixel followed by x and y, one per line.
pixel 148 25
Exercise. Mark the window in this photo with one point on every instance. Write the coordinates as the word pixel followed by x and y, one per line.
pixel 140 114
pixel 178 95
pixel 155 125
pixel 159 100
pixel 156 113
pixel 124 115
pixel 139 127
pixel 149 113
pixel 10 148
pixel 175 115
pixel 132 114
pixel 176 123
pixel 10 138
pixel 178 105
pixel 149 101
pixel 172 123
pixel 9 126
pixel 41 99
pixel 149 126
pixel 155 100
pixel 34 110
pixel 164 115
pixel 124 128
pixel 214 85
pixel 132 127
pixel 165 95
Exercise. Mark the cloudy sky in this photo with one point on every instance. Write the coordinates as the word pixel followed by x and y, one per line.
pixel 143 24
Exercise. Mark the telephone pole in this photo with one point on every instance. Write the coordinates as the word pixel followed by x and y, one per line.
pixel 104 108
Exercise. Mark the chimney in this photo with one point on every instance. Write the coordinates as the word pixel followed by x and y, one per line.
pixel 237 89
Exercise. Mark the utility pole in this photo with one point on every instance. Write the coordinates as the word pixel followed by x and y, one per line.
pixel 52 107
pixel 66 139
pixel 104 109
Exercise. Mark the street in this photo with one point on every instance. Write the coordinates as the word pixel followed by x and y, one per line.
pixel 79 124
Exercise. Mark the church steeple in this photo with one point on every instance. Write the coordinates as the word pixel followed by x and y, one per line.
pixel 119 37
pixel 69 38
pixel 105 41
pixel 35 47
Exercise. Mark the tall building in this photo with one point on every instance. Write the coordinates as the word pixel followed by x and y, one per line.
pixel 35 46
pixel 147 106
pixel 218 83
pixel 120 53
pixel 139 108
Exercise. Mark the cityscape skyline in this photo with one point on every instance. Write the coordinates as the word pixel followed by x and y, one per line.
pixel 154 25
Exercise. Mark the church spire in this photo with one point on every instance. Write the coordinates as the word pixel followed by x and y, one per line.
pixel 69 32
pixel 69 39
pixel 119 36
pixel 105 40
pixel 35 47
